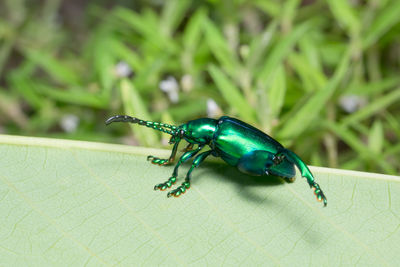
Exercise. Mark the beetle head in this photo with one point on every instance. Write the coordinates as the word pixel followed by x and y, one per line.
pixel 177 135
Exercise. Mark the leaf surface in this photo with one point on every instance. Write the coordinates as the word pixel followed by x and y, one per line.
pixel 73 203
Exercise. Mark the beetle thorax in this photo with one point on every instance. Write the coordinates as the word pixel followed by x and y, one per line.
pixel 200 131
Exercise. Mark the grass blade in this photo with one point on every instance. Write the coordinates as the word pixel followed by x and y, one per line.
pixel 280 51
pixel 384 21
pixel 277 92
pixel 375 138
pixel 355 143
pixel 173 14
pixel 372 108
pixel 55 68
pixel 311 109
pixel 232 94
pixel 345 15
pixel 134 106
pixel 220 49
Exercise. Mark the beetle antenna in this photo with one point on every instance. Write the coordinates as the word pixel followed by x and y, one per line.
pixel 163 127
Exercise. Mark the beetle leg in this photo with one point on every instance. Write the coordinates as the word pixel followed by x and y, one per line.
pixel 256 162
pixel 172 179
pixel 290 180
pixel 278 158
pixel 186 184
pixel 188 147
pixel 158 161
pixel 305 172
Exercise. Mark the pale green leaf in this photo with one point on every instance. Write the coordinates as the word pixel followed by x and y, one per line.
pixel 72 203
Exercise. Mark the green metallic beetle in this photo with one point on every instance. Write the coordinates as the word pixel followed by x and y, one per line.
pixel 236 142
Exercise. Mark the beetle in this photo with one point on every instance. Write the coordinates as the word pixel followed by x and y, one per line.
pixel 236 142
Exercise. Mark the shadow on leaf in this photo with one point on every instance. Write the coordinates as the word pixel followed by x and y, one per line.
pixel 242 180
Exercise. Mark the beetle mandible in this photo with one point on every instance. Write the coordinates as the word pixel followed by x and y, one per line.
pixel 236 142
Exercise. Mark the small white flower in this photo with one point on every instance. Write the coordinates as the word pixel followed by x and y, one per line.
pixel 170 87
pixel 352 103
pixel 122 69
pixel 213 110
pixel 69 123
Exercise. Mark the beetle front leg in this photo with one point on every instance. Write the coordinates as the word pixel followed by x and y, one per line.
pixel 158 161
pixel 186 184
pixel 172 179
pixel 305 172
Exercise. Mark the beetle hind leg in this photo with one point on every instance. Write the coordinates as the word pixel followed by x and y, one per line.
pixel 290 180
pixel 305 172
pixel 284 169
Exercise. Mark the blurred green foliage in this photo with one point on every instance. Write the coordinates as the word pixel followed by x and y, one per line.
pixel 320 76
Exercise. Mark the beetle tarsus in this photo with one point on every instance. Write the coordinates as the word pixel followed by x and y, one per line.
pixel 179 190
pixel 158 161
pixel 319 194
pixel 165 185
